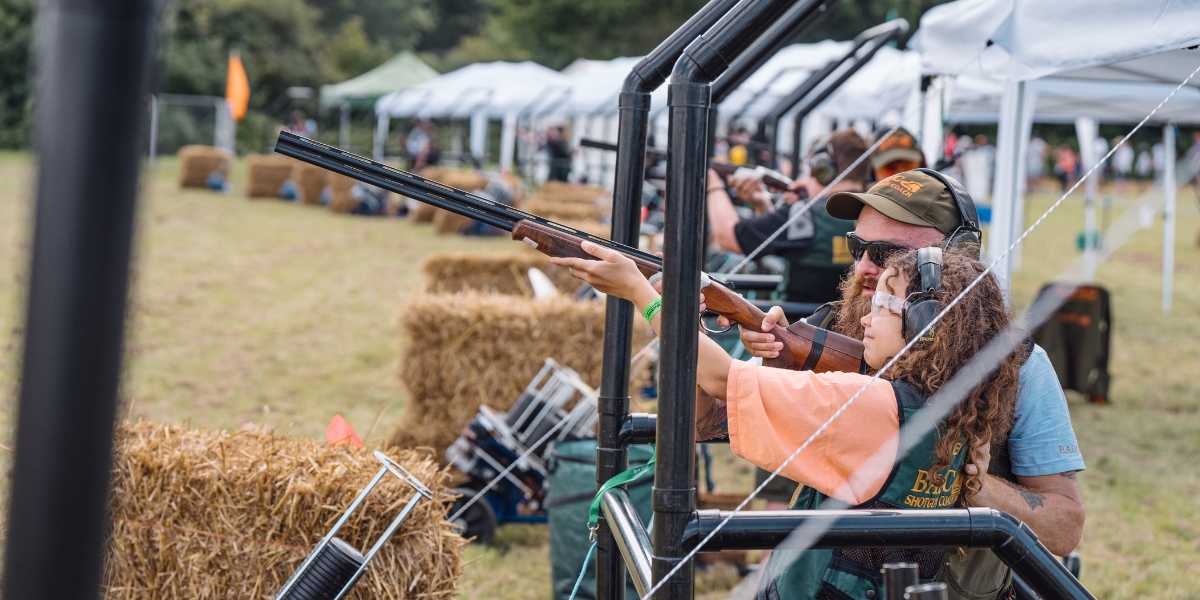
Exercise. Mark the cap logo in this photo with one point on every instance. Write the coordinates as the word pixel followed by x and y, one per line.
pixel 897 141
pixel 901 184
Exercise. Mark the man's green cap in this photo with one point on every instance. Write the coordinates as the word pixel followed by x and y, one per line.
pixel 910 197
pixel 901 145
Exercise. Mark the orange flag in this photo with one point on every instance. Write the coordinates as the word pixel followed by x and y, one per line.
pixel 340 432
pixel 237 87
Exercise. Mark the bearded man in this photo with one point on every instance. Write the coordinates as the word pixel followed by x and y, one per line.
pixel 1032 475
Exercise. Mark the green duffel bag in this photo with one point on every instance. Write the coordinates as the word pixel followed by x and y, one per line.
pixel 572 484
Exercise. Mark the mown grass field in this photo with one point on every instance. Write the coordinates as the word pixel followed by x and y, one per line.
pixel 266 312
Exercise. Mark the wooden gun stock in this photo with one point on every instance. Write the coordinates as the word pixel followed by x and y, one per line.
pixel 805 347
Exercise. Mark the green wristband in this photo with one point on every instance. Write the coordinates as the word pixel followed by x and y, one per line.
pixel 652 309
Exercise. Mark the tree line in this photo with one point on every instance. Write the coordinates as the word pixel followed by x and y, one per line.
pixel 286 43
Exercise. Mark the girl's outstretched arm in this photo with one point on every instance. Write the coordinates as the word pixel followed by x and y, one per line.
pixel 616 275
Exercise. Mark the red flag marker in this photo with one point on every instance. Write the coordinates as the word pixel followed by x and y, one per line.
pixel 340 432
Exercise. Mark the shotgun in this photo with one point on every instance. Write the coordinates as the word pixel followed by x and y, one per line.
pixel 804 347
pixel 770 177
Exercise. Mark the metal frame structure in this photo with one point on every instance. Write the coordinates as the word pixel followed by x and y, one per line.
pixel 768 127
pixel 419 492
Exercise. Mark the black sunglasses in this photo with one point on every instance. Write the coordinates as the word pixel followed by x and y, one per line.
pixel 877 252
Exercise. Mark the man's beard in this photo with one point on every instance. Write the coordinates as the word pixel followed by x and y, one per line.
pixel 855 306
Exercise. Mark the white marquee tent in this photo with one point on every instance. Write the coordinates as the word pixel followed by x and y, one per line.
pixel 1107 59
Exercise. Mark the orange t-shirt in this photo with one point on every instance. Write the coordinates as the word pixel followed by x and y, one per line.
pixel 773 411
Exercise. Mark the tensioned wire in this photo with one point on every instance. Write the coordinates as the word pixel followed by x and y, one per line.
pixel 637 356
pixel 974 373
pixel 995 345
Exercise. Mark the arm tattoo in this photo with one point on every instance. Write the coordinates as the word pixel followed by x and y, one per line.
pixel 714 423
pixel 1032 499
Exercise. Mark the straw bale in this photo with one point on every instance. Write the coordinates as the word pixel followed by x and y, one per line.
pixel 469 349
pixel 198 162
pixel 341 202
pixel 452 272
pixel 559 211
pixel 445 221
pixel 311 179
pixel 203 514
pixel 597 228
pixel 456 178
pixel 266 173
pixel 424 213
pixel 561 191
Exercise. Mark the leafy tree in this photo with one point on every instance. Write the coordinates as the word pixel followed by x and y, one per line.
pixel 456 19
pixel 556 32
pixel 396 24
pixel 16 32
pixel 848 18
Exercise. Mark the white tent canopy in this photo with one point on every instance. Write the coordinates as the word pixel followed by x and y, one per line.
pixel 1036 38
pixel 1110 60
pixel 497 88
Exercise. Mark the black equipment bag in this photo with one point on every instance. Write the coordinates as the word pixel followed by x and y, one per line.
pixel 1076 339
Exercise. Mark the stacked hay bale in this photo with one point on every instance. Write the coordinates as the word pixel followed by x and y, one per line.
pixel 342 202
pixel 453 272
pixel 469 349
pixel 198 162
pixel 266 173
pixel 311 180
pixel 587 208
pixel 207 514
pixel 572 192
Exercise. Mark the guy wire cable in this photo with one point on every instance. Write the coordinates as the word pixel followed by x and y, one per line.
pixel 836 180
pixel 636 357
pixel 691 554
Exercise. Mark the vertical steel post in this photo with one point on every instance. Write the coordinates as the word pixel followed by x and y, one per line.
pixel 1169 187
pixel 153 130
pixel 93 62
pixel 688 104
pixel 613 404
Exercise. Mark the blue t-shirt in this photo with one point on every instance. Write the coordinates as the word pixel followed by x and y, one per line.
pixel 1042 441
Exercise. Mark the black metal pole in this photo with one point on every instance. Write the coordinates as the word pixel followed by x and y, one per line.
pixel 880 34
pixel 687 156
pixel 1012 541
pixel 877 37
pixel 93 59
pixel 791 24
pixel 613 405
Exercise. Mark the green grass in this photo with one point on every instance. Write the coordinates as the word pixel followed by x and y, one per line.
pixel 266 312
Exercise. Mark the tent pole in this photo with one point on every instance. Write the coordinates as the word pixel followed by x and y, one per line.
pixel 1085 130
pixel 381 133
pixel 344 126
pixel 153 131
pixel 1004 199
pixel 1169 187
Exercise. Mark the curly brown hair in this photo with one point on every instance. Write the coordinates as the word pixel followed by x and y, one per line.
pixel 984 417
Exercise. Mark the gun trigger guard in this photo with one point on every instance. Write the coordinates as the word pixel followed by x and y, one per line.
pixel 709 312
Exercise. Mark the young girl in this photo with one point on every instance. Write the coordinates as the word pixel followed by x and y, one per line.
pixel 772 412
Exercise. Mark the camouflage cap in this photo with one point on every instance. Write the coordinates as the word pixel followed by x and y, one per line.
pixel 899 146
pixel 910 197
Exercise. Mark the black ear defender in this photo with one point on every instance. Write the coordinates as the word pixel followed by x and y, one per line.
pixel 823 165
pixel 968 233
pixel 921 310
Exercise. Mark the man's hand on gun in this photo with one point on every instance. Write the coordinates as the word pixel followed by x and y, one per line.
pixel 760 343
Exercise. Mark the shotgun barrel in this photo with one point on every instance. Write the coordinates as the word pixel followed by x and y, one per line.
pixel 805 346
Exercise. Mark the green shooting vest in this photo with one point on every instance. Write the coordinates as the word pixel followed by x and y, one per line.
pixel 854 573
pixel 814 275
